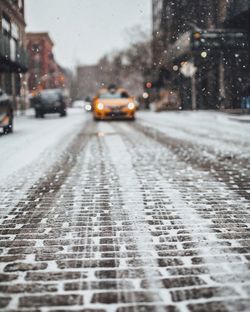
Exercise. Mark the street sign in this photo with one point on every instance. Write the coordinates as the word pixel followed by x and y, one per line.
pixel 218 39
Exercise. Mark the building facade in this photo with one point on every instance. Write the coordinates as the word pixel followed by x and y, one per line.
pixel 13 54
pixel 211 39
pixel 90 78
pixel 88 81
pixel 44 72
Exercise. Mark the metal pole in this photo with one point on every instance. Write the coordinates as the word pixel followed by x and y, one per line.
pixel 14 91
pixel 193 92
pixel 222 89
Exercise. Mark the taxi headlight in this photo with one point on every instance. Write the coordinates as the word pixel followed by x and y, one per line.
pixel 100 106
pixel 131 106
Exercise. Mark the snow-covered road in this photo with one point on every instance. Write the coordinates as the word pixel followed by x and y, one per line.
pixel 151 215
pixel 32 149
pixel 34 137
pixel 223 133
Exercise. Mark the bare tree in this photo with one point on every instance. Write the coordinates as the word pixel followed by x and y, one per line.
pixel 128 67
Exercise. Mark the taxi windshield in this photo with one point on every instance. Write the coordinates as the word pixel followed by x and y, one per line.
pixel 116 95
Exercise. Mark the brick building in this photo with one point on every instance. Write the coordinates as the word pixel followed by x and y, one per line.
pixel 44 72
pixel 213 37
pixel 13 55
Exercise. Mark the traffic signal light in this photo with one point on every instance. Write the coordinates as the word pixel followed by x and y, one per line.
pixel 148 85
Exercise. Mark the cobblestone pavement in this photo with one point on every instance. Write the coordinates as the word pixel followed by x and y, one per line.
pixel 129 219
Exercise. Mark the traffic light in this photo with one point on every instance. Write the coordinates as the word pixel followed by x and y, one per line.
pixel 148 85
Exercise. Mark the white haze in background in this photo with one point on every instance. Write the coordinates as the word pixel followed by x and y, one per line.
pixel 84 30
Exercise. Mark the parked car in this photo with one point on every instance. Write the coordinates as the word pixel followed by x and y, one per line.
pixel 113 103
pixel 78 104
pixel 167 100
pixel 6 113
pixel 49 101
pixel 88 104
pixel 88 107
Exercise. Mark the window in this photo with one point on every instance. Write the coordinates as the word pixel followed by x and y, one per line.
pixel 36 47
pixel 116 95
pixel 6 24
pixel 13 49
pixel 20 4
pixel 14 31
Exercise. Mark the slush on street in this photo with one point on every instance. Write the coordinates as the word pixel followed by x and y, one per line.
pixel 124 156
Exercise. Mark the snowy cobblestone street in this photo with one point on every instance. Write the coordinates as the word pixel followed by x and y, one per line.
pixel 151 215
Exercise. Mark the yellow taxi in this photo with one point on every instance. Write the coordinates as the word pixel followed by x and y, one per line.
pixel 113 103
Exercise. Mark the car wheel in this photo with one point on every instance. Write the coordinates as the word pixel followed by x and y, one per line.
pixel 63 113
pixel 37 114
pixel 11 127
pixel 8 129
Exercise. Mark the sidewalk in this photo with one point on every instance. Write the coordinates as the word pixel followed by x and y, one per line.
pixel 25 113
pixel 236 111
pixel 245 119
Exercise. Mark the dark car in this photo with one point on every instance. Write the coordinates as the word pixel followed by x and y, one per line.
pixel 6 113
pixel 49 101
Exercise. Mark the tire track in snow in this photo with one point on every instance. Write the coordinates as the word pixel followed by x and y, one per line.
pixel 199 227
pixel 133 208
pixel 234 172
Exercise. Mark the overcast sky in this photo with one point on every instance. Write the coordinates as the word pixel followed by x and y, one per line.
pixel 84 30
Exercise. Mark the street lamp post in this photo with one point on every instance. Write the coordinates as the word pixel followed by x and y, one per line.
pixel 189 70
pixel 193 92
